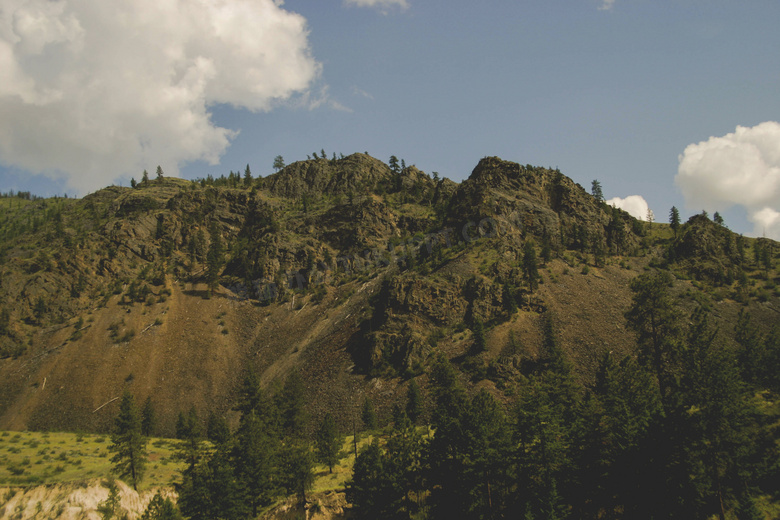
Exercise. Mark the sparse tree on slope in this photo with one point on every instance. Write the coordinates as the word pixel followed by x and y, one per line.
pixel 278 162
pixel 148 419
pixel 674 219
pixel 595 190
pixel 368 415
pixel 128 443
pixel 328 442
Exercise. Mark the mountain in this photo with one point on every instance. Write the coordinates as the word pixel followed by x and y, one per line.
pixel 351 273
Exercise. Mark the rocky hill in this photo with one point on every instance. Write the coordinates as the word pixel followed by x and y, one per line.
pixel 353 274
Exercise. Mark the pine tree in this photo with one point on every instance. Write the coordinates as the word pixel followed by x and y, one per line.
pixel 255 455
pixel 595 190
pixel 278 162
pixel 394 164
pixel 161 508
pixel 148 418
pixel 674 219
pixel 297 469
pixel 247 176
pixel 291 404
pixel 478 332
pixel 217 429
pixel 654 317
pixel 145 176
pixel 128 443
pixel 159 173
pixel 328 443
pixel 368 415
pixel 530 267
pixel 414 404
pixel 369 489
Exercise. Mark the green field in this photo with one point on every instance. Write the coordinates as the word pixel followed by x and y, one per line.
pixel 35 458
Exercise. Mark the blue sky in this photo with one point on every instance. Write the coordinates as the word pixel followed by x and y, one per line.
pixel 610 92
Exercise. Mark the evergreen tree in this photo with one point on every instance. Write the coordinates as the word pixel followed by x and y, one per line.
pixel 161 508
pixel 414 403
pixel 368 414
pixel 674 219
pixel 111 506
pixel 530 267
pixel 394 164
pixel 159 173
pixel 328 442
pixel 145 176
pixel 148 418
pixel 133 184
pixel 255 455
pixel 595 190
pixel 752 357
pixel 369 490
pixel 654 317
pixel 718 219
pixel 291 404
pixel 478 332
pixel 247 176
pixel 297 469
pixel 217 430
pixel 278 162
pixel 128 443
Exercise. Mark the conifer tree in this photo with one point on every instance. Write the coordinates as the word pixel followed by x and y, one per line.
pixel 674 219
pixel 128 443
pixel 161 508
pixel 414 404
pixel 145 176
pixel 369 489
pixel 255 455
pixel 530 267
pixel 297 469
pixel 148 418
pixel 478 331
pixel 328 443
pixel 654 317
pixel 368 414
pixel 159 173
pixel 595 190
pixel 278 162
pixel 291 405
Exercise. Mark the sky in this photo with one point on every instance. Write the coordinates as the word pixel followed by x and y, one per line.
pixel 666 103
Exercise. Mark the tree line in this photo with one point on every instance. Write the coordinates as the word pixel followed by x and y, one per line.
pixel 676 431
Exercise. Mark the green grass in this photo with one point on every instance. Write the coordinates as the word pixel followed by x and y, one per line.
pixel 36 458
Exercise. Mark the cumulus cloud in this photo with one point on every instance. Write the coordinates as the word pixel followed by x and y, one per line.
pixel 634 205
pixel 381 4
pixel 739 169
pixel 97 90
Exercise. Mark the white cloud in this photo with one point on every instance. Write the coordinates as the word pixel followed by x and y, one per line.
pixel 741 168
pixel 97 90
pixel 634 205
pixel 607 5
pixel 381 4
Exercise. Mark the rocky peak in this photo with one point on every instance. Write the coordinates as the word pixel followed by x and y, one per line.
pixel 356 173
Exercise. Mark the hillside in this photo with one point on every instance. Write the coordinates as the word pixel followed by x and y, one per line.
pixel 353 274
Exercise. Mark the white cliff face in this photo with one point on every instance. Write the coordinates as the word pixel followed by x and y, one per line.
pixel 72 501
